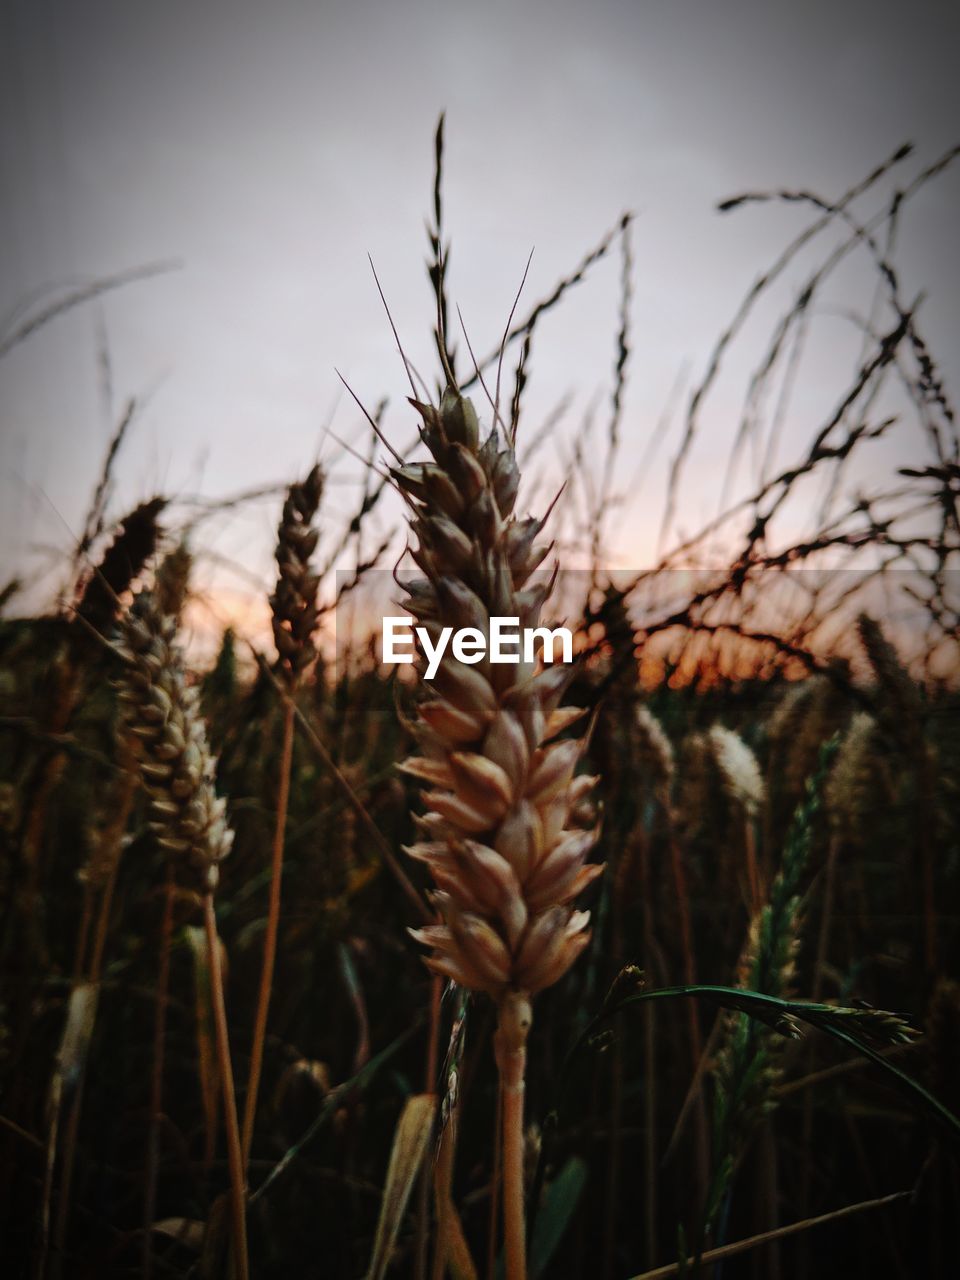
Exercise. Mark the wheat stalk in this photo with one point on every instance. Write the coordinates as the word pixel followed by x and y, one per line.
pixel 748 1064
pixel 163 719
pixel 294 607
pixel 500 786
pixel 98 602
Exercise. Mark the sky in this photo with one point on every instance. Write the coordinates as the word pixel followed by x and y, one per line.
pixel 265 151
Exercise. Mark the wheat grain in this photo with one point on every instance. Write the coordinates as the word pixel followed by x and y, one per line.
pixel 501 787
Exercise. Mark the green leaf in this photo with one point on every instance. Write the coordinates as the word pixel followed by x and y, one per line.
pixel 563 1196
pixel 841 1023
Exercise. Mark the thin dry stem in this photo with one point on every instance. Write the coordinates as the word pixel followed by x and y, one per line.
pixel 156 1082
pixel 272 931
pixel 234 1150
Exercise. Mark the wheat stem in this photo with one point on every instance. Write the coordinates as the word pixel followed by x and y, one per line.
pixel 510 1045
pixel 270 939
pixel 429 1086
pixel 156 1084
pixel 234 1151
pixel 495 1179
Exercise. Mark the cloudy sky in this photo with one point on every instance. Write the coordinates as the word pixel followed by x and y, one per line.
pixel 266 150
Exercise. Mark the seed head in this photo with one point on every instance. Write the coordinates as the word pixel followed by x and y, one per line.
pixel 852 783
pixel 654 749
pixel 503 835
pixel 738 768
pixel 900 708
pixel 162 718
pixel 294 603
pixel 133 545
pixel 173 580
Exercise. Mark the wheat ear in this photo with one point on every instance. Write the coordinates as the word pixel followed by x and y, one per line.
pixel 294 608
pixel 163 719
pixel 743 783
pixel 501 791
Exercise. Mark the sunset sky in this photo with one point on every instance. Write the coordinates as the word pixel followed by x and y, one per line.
pixel 266 150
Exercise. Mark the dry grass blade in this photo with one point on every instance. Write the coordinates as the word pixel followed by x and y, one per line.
pixel 76 297
pixel 410 1141
pixel 765 1237
pixel 604 496
pixel 93 525
pixel 524 327
pixel 763 281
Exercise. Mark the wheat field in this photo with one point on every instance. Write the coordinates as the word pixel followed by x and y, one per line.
pixel 639 965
